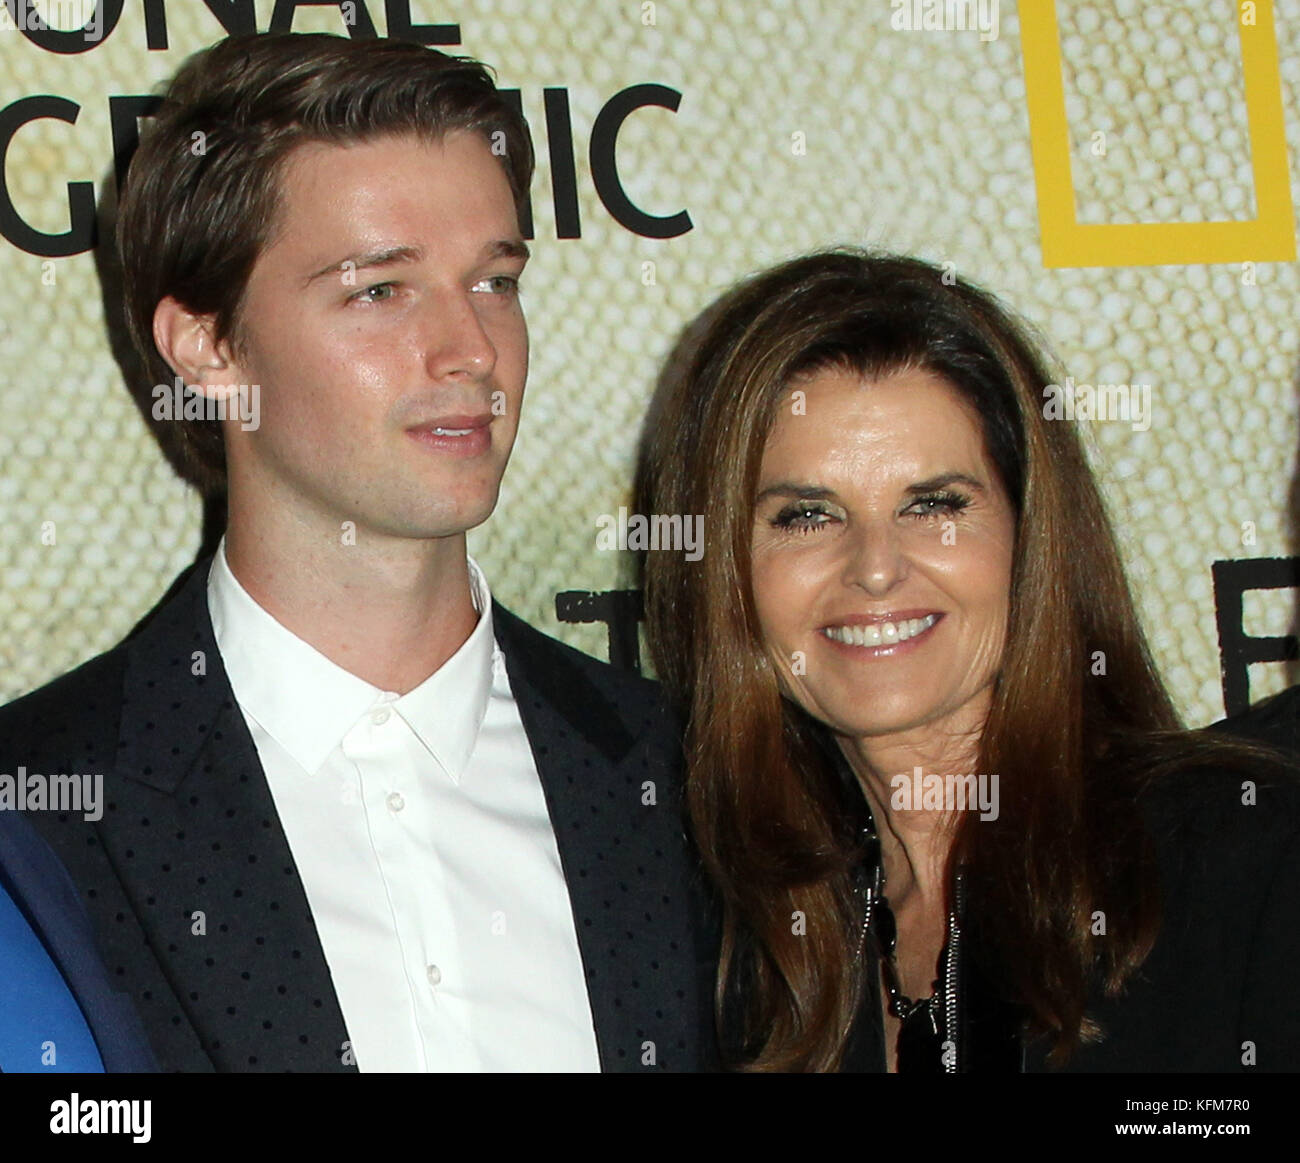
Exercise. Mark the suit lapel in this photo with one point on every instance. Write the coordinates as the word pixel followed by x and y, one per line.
pixel 623 859
pixel 192 831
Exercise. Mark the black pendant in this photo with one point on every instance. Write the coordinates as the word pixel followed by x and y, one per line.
pixel 920 1048
pixel 885 926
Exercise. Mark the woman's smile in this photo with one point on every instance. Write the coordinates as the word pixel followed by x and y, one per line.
pixel 882 636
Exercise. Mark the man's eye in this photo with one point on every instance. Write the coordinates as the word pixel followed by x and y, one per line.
pixel 498 285
pixel 378 293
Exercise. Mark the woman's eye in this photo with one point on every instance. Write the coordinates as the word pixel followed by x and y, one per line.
pixel 939 504
pixel 802 518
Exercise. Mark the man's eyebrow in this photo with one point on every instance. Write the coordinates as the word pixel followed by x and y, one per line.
pixel 508 248
pixel 511 248
pixel 375 258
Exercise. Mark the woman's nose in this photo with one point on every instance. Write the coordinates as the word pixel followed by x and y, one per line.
pixel 876 562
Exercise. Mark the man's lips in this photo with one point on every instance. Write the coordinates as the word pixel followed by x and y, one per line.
pixel 457 434
pixel 453 423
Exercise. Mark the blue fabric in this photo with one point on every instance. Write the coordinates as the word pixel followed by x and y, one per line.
pixel 36 1005
pixel 38 883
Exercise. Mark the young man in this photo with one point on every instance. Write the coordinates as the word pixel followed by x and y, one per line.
pixel 359 816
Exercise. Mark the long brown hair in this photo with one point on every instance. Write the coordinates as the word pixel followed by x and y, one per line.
pixel 1080 719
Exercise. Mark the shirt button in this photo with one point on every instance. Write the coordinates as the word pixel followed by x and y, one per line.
pixel 435 975
pixel 395 802
pixel 379 718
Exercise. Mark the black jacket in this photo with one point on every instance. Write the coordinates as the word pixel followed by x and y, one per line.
pixel 1274 721
pixel 190 825
pixel 1218 991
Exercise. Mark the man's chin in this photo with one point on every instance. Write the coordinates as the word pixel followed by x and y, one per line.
pixel 448 521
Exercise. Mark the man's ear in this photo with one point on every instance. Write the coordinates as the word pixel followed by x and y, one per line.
pixel 188 343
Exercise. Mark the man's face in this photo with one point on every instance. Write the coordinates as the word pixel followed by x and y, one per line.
pixel 383 324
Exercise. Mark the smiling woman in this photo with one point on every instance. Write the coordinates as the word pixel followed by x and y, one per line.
pixel 882 533
pixel 942 794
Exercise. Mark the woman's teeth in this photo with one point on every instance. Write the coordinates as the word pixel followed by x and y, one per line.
pixel 881 633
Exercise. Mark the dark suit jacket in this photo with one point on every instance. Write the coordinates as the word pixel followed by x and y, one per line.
pixel 42 889
pixel 190 825
pixel 1275 721
pixel 1223 969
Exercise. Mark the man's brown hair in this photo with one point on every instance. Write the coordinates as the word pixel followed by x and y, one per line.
pixel 200 200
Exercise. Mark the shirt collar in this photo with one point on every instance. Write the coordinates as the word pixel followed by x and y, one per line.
pixel 307 703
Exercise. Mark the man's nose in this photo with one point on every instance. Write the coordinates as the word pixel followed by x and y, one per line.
pixel 458 344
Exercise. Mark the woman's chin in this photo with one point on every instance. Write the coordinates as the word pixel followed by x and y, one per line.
pixel 882 723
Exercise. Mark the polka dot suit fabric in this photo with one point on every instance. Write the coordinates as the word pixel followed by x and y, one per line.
pixel 196 902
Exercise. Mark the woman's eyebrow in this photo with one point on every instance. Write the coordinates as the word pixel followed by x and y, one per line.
pixel 943 480
pixel 797 491
pixel 806 492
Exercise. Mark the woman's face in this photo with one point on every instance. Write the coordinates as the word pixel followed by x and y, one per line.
pixel 882 555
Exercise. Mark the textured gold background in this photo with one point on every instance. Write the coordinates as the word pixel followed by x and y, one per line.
pixel 914 141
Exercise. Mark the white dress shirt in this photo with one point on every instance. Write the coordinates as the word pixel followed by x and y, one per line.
pixel 421 834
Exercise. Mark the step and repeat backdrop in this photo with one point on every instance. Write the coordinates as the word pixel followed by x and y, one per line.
pixel 1117 171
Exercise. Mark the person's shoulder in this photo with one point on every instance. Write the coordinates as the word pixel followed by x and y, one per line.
pixel 1234 811
pixel 93 692
pixel 1275 720
pixel 550 663
pixel 82 699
